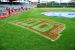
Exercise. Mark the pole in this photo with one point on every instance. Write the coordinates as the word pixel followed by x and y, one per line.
pixel 67 4
pixel 46 4
pixel 60 3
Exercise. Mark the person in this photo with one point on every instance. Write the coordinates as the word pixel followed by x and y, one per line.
pixel 22 8
pixel 12 10
pixel 8 10
pixel 26 8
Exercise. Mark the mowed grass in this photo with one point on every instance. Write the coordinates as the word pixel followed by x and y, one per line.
pixel 13 37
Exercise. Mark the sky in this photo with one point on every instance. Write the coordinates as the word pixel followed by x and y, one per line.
pixel 53 0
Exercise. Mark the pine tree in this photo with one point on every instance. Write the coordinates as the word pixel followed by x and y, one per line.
pixel 73 1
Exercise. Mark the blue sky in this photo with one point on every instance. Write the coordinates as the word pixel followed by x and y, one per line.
pixel 53 0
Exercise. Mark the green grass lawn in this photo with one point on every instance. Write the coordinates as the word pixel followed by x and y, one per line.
pixel 13 37
pixel 48 27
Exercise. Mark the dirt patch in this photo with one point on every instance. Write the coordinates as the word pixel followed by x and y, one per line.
pixel 52 33
pixel 43 26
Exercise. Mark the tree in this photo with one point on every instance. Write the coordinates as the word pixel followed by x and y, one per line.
pixel 72 1
pixel 38 1
pixel 52 3
pixel 0 0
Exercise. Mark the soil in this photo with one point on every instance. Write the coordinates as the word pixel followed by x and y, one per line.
pixel 43 26
pixel 52 33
